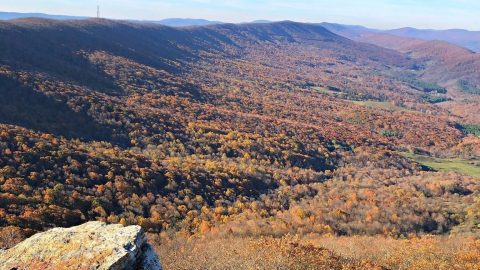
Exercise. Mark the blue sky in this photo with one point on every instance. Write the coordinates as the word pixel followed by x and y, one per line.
pixel 437 14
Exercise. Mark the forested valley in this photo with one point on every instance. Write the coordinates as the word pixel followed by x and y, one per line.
pixel 252 130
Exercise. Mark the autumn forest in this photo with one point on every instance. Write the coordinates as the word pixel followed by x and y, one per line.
pixel 298 137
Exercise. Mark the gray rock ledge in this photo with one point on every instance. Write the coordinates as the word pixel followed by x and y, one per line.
pixel 93 245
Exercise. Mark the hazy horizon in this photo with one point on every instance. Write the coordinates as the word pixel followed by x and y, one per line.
pixel 385 14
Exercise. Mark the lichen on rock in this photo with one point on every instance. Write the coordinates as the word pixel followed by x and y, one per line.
pixel 93 245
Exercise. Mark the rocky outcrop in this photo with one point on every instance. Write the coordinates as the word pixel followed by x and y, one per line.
pixel 93 245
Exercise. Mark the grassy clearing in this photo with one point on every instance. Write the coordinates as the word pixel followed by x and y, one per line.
pixel 469 129
pixel 455 164
pixel 325 90
pixel 382 105
pixel 467 87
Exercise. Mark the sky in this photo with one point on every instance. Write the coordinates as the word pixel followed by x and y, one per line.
pixel 381 14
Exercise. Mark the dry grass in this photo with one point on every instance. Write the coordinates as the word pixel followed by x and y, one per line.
pixel 427 253
pixel 249 253
pixel 10 236
pixel 212 252
pixel 319 252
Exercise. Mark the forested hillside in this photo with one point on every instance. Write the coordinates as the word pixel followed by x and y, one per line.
pixel 253 129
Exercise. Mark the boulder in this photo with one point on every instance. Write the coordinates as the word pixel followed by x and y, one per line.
pixel 93 245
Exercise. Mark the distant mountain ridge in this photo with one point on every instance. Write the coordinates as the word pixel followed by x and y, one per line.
pixel 18 15
pixel 172 22
pixel 460 37
pixel 180 22
pixel 261 21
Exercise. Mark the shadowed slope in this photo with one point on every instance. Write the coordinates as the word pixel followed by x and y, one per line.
pixel 26 107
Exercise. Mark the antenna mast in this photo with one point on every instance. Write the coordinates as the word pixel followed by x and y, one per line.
pixel 98 10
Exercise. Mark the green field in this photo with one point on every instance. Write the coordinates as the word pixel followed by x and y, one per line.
pixel 323 90
pixel 384 105
pixel 381 105
pixel 455 164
